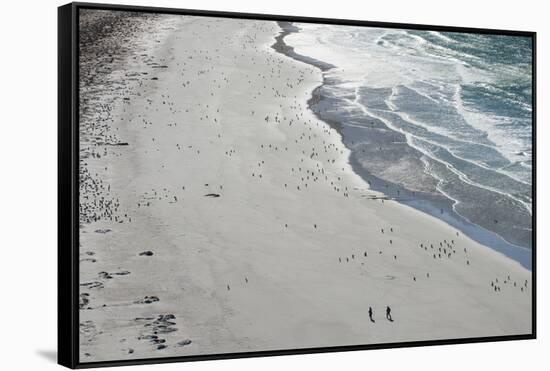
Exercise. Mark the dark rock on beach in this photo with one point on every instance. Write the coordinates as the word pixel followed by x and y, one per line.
pixel 184 342
pixel 147 300
pixel 146 253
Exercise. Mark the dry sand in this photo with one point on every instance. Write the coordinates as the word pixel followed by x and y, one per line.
pixel 294 250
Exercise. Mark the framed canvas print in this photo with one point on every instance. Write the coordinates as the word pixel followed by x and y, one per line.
pixel 236 185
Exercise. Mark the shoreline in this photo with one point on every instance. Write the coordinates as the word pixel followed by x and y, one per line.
pixel 434 205
pixel 166 257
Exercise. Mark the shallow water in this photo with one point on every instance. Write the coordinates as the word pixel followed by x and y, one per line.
pixel 445 116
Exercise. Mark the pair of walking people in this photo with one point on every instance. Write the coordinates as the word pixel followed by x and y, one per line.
pixel 388 314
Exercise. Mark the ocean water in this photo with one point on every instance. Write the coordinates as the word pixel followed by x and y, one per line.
pixel 439 120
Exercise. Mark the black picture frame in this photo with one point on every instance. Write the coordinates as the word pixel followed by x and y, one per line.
pixel 68 190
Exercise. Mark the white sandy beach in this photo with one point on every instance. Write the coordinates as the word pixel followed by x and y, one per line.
pixel 294 250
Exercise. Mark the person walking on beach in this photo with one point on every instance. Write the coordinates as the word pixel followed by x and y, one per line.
pixel 370 315
pixel 388 314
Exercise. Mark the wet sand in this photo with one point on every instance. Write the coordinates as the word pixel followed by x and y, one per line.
pixel 218 214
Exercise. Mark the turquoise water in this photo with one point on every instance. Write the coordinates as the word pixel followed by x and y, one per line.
pixel 454 107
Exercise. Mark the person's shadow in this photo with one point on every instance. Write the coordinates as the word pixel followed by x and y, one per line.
pixel 50 355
